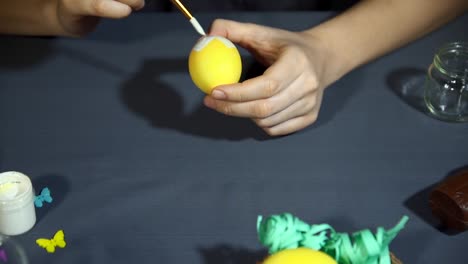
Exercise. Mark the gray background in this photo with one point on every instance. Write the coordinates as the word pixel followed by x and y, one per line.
pixel 142 172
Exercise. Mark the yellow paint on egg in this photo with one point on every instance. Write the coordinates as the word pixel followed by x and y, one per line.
pixel 214 61
pixel 299 256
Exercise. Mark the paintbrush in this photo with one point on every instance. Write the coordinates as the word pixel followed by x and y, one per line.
pixel 189 16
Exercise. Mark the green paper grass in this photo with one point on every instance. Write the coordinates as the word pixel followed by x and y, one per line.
pixel 279 232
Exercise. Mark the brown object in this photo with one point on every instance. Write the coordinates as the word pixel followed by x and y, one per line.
pixel 395 260
pixel 449 201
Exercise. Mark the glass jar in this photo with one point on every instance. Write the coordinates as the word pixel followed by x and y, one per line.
pixel 11 251
pixel 446 88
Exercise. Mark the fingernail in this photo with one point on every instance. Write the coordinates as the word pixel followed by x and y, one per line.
pixel 218 94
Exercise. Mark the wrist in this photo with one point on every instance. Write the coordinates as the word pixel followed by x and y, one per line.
pixel 335 62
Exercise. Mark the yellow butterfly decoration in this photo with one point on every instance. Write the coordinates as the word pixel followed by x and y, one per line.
pixel 50 244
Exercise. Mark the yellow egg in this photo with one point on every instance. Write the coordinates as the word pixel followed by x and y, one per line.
pixel 299 256
pixel 214 61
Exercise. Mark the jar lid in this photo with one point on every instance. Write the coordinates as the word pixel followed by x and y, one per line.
pixel 452 59
pixel 15 190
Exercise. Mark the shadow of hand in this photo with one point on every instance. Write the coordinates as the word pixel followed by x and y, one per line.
pixel 22 52
pixel 148 96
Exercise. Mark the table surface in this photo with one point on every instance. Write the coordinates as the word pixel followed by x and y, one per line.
pixel 141 171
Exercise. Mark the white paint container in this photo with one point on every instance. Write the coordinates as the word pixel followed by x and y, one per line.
pixel 17 211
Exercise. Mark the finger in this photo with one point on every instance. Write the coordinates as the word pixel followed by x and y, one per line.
pixel 100 8
pixel 292 125
pixel 253 109
pixel 134 4
pixel 261 108
pixel 298 108
pixel 275 79
pixel 235 31
pixel 297 123
pixel 252 37
pixel 247 35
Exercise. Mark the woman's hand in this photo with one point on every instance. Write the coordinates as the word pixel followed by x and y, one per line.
pixel 287 97
pixel 78 17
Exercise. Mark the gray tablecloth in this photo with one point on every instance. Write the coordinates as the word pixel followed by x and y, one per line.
pixel 142 172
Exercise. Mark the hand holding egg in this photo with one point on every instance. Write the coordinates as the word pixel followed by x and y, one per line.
pixel 287 96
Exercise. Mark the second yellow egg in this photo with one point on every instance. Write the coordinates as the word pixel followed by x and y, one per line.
pixel 299 256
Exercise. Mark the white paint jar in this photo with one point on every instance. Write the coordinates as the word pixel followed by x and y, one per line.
pixel 17 211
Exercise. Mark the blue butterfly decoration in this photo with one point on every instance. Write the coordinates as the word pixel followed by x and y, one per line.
pixel 44 196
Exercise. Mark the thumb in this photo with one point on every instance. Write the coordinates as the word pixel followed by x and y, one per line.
pixel 237 32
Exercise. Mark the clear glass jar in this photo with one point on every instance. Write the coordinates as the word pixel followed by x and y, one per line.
pixel 11 251
pixel 446 88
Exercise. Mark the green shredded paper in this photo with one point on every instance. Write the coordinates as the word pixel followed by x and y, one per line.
pixel 279 232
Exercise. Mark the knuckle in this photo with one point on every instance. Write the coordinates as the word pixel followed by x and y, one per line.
pixel 262 109
pixel 313 117
pixel 310 104
pixel 127 12
pixel 297 53
pixel 250 26
pixel 67 4
pixel 262 122
pixel 307 120
pixel 271 87
pixel 226 109
pixel 98 7
pixel 312 82
pixel 237 95
pixel 270 131
pixel 217 23
pixel 140 4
